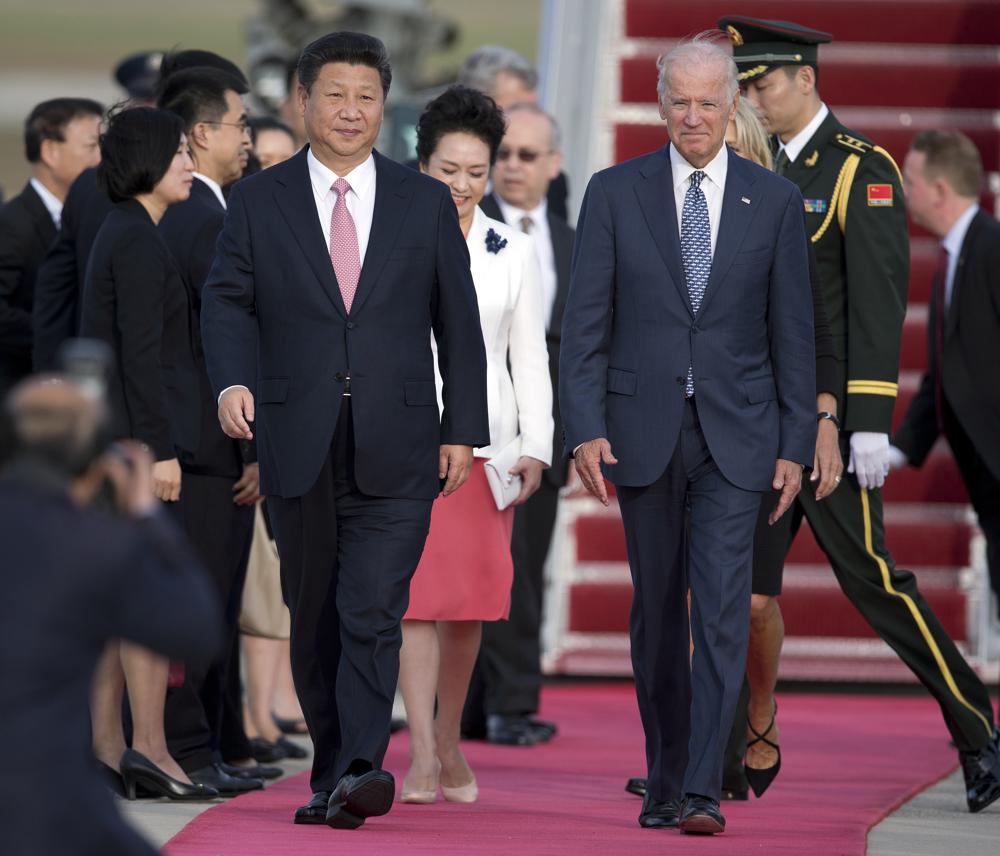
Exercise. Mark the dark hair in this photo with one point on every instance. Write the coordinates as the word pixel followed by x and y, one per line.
pixel 460 109
pixel 199 94
pixel 352 48
pixel 181 60
pixel 792 70
pixel 268 123
pixel 951 155
pixel 49 119
pixel 136 151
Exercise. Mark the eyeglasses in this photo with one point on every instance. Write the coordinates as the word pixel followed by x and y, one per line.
pixel 243 125
pixel 523 155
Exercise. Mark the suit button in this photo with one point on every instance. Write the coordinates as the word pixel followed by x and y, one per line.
pixel 338 376
pixel 696 329
pixel 350 325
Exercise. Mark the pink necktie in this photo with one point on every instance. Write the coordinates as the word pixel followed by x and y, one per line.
pixel 344 251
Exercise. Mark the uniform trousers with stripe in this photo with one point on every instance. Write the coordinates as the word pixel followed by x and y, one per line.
pixel 848 527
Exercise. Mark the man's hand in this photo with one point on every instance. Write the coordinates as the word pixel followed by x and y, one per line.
pixel 869 458
pixel 530 471
pixel 588 458
pixel 247 490
pixel 897 458
pixel 828 463
pixel 455 464
pixel 167 480
pixel 236 412
pixel 787 479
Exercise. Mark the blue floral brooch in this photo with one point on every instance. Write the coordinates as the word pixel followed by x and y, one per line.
pixel 494 243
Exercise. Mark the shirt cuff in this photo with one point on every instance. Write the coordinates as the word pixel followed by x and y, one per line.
pixel 234 386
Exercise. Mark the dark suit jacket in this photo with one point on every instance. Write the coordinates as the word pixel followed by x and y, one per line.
pixel 629 333
pixel 273 320
pixel 26 233
pixel 190 230
pixel 971 361
pixel 73 580
pixel 59 285
pixel 135 301
pixel 562 251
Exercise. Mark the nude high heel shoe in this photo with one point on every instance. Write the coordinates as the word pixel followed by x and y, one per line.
pixel 462 794
pixel 416 797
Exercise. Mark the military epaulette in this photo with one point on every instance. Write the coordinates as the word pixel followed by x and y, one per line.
pixel 853 144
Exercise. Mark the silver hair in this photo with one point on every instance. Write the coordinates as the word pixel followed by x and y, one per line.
pixel 535 110
pixel 702 49
pixel 483 66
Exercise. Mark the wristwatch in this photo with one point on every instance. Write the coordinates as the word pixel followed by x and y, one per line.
pixel 826 414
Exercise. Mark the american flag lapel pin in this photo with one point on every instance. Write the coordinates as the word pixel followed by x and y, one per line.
pixel 745 200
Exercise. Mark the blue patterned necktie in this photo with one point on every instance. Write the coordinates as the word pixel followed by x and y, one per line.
pixel 696 250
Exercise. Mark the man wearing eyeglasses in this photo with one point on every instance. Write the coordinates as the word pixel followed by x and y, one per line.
pixel 218 486
pixel 505 693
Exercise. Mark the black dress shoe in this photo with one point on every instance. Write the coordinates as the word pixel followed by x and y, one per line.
pixel 138 770
pixel 657 814
pixel 290 726
pixel 701 816
pixel 213 776
pixel 257 771
pixel 314 811
pixel 507 730
pixel 358 797
pixel 636 786
pixel 543 727
pixel 982 774
pixel 266 752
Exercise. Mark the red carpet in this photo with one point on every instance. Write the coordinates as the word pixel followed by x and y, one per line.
pixel 848 761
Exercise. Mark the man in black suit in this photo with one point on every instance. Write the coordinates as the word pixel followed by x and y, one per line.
pixel 219 489
pixel 338 354
pixel 74 579
pixel 958 397
pixel 505 692
pixel 60 141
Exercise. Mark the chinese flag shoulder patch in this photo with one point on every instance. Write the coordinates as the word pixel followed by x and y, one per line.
pixel 879 194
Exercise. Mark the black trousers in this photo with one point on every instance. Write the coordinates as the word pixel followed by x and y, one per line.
pixel 693 528
pixel 346 563
pixel 198 729
pixel 984 492
pixel 508 675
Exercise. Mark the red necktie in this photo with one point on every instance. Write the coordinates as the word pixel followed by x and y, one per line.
pixel 344 252
pixel 940 320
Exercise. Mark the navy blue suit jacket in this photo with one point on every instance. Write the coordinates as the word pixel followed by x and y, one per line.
pixel 629 332
pixel 273 320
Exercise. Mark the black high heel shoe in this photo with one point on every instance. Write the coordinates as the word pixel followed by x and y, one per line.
pixel 137 769
pixel 760 778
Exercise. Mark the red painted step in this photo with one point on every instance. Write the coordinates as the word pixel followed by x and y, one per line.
pixel 927 76
pixel 921 21
pixel 937 481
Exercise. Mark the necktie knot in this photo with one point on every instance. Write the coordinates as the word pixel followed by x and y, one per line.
pixel 340 187
pixel 527 224
pixel 696 178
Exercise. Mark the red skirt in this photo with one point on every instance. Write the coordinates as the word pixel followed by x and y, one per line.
pixel 466 571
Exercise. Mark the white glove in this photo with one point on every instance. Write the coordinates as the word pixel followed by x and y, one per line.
pixel 869 458
pixel 897 458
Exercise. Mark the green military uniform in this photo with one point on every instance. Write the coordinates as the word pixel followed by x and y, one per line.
pixel 856 220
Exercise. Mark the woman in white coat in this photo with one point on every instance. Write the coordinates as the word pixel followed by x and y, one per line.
pixel 465 574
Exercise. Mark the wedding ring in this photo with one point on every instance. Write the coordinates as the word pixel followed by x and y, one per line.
pixel 837 479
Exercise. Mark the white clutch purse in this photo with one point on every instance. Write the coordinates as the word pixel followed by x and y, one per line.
pixel 503 485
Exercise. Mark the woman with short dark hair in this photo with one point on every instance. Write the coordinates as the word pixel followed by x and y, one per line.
pixel 465 574
pixel 135 301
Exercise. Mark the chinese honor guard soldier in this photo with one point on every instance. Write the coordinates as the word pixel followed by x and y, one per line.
pixel 856 220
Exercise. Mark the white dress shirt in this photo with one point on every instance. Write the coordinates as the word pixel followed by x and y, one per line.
pixel 360 198
pixel 793 148
pixel 49 200
pixel 952 242
pixel 519 399
pixel 713 186
pixel 213 185
pixel 542 237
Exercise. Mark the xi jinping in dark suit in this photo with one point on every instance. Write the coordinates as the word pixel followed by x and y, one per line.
pixel 331 273
pixel 687 374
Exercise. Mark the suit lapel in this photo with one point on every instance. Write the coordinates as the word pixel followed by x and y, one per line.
pixel 736 217
pixel 294 197
pixel 656 199
pixel 45 228
pixel 392 196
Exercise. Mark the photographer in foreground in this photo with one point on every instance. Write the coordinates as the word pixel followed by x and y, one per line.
pixel 74 579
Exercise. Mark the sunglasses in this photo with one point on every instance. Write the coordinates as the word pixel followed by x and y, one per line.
pixel 523 155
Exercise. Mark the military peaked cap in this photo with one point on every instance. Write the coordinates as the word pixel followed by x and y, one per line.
pixel 760 46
